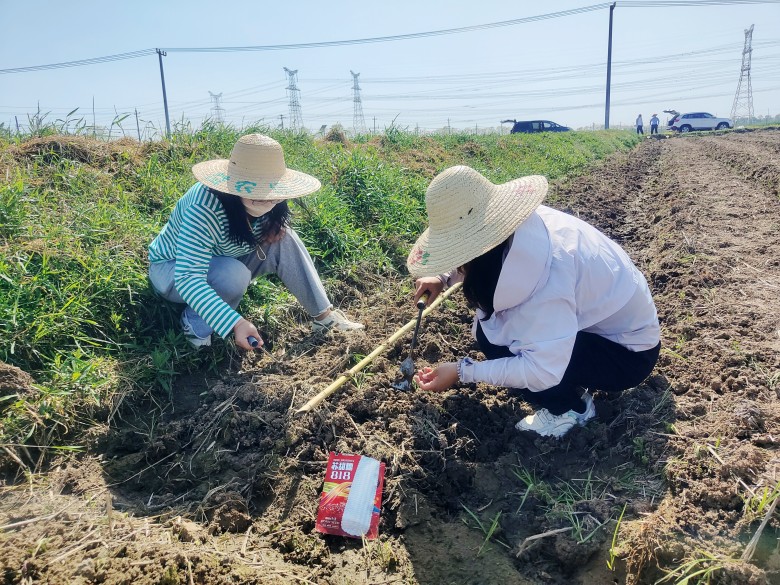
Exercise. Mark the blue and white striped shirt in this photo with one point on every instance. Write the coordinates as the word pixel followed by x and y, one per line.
pixel 196 231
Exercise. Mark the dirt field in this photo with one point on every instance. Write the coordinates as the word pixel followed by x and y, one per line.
pixel 224 487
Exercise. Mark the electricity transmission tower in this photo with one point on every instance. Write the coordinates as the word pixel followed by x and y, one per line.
pixel 743 99
pixel 296 118
pixel 216 109
pixel 358 122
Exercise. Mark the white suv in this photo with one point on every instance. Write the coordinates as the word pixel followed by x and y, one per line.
pixel 699 121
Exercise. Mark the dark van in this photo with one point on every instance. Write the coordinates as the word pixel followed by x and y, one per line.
pixel 528 126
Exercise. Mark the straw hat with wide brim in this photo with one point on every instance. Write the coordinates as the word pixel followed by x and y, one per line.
pixel 255 170
pixel 468 215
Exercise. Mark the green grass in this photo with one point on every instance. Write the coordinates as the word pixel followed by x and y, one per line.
pixel 757 504
pixel 698 569
pixel 567 503
pixel 76 217
pixel 613 548
pixel 488 530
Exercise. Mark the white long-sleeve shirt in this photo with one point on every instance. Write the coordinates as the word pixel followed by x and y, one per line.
pixel 560 276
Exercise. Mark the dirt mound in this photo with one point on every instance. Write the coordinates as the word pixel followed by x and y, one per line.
pixel 81 149
pixel 224 486
pixel 14 381
pixel 108 156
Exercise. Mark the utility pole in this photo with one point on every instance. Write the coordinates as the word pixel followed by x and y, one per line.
pixel 162 54
pixel 296 117
pixel 94 126
pixel 137 126
pixel 743 99
pixel 281 118
pixel 374 124
pixel 216 109
pixel 358 121
pixel 609 66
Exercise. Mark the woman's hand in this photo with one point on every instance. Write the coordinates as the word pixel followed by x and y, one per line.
pixel 242 331
pixel 439 379
pixel 431 284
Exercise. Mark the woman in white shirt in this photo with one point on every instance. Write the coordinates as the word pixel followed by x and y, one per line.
pixel 559 306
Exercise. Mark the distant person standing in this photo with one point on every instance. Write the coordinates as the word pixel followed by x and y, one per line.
pixel 654 121
pixel 639 125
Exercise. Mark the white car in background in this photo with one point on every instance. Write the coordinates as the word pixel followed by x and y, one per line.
pixel 699 121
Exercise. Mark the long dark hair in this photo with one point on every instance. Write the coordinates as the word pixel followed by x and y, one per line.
pixel 239 221
pixel 481 278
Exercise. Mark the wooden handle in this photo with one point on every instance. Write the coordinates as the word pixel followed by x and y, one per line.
pixel 422 302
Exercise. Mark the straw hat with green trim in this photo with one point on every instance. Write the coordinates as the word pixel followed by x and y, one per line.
pixel 468 215
pixel 255 170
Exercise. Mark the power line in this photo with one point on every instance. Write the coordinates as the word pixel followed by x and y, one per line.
pixel 91 61
pixel 402 37
pixel 389 38
pixel 468 83
pixel 145 52
pixel 384 39
pixel 698 72
pixel 696 3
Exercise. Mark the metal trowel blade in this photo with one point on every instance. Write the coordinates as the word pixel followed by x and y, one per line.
pixel 407 371
pixel 403 385
pixel 407 368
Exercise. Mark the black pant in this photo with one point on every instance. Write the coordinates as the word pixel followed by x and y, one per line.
pixel 640 129
pixel 596 363
pixel 653 128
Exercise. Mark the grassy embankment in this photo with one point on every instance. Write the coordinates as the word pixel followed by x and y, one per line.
pixel 76 216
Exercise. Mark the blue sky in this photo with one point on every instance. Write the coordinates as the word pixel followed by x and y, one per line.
pixel 686 58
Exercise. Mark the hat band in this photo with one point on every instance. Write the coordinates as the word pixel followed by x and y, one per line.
pixel 240 185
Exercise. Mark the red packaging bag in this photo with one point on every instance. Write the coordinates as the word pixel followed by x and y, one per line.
pixel 351 497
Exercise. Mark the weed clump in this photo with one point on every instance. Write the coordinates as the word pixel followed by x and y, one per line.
pixel 337 134
pixel 81 149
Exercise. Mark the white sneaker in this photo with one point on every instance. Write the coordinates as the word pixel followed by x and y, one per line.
pixel 557 425
pixel 337 320
pixel 189 334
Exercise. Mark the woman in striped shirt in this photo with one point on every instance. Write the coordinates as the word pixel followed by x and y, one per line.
pixel 229 228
